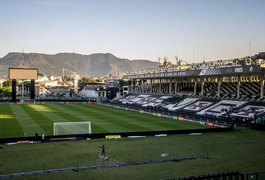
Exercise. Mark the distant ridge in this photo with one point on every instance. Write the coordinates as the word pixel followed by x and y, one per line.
pixel 98 64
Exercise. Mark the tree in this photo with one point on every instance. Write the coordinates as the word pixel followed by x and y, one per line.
pixel 27 84
pixel 6 91
pixel 7 83
pixel 123 83
pixel 86 80
pixel 40 74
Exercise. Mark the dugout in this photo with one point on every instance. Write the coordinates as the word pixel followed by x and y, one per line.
pixel 23 74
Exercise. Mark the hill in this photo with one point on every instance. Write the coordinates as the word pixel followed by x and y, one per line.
pixel 87 65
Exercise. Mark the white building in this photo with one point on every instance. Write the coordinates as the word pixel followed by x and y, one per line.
pixel 1 82
pixel 50 83
pixel 92 92
pixel 88 92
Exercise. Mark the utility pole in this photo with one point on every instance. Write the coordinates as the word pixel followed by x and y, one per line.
pixel 63 76
pixel 22 66
pixel 22 59
pixel 249 50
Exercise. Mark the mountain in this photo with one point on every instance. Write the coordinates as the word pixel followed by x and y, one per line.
pixel 86 65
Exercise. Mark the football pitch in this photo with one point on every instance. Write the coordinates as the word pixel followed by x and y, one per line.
pixel 19 120
pixel 241 150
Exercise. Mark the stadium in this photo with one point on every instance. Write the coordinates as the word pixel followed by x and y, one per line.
pixel 228 90
pixel 183 121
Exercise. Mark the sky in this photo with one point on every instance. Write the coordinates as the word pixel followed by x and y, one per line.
pixel 193 30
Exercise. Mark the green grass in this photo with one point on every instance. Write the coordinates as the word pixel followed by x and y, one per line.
pixel 27 119
pixel 241 150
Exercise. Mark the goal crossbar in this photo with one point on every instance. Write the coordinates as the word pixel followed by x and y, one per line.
pixel 66 128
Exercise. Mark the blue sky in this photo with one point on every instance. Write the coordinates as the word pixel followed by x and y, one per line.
pixel 134 29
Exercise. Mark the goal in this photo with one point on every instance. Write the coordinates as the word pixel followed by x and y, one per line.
pixel 65 128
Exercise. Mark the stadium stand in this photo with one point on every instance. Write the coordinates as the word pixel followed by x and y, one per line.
pixel 197 106
pixel 203 107
pixel 221 108
pixel 126 99
pixel 206 107
pixel 156 102
pixel 146 100
pixel 183 103
pixel 222 90
pixel 249 113
pixel 136 99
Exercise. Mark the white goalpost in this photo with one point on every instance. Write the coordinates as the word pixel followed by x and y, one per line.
pixel 65 128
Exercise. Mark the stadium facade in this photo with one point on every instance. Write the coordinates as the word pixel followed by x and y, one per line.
pixel 236 78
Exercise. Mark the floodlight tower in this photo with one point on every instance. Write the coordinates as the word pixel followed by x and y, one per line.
pixel 76 78
pixel 177 60
pixel 63 78
pixel 159 60
pixel 22 59
pixel 193 52
pixel 249 50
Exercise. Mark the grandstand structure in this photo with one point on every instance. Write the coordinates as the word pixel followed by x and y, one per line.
pixel 228 90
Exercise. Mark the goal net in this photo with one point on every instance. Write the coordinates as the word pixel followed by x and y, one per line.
pixel 65 128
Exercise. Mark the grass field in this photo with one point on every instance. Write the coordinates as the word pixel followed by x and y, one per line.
pixel 241 150
pixel 17 120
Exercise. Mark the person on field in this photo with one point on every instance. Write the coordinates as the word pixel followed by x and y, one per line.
pixel 36 136
pixel 103 151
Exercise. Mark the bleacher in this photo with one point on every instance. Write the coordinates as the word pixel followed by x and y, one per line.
pixel 181 104
pixel 168 101
pixel 210 88
pixel 156 102
pixel 249 112
pixel 146 100
pixel 197 106
pixel 221 109
pixel 228 88
pixel 250 88
pixel 125 99
pixel 135 99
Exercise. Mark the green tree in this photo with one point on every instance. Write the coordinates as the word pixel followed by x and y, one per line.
pixel 27 84
pixel 123 83
pixel 40 74
pixel 6 92
pixel 7 83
